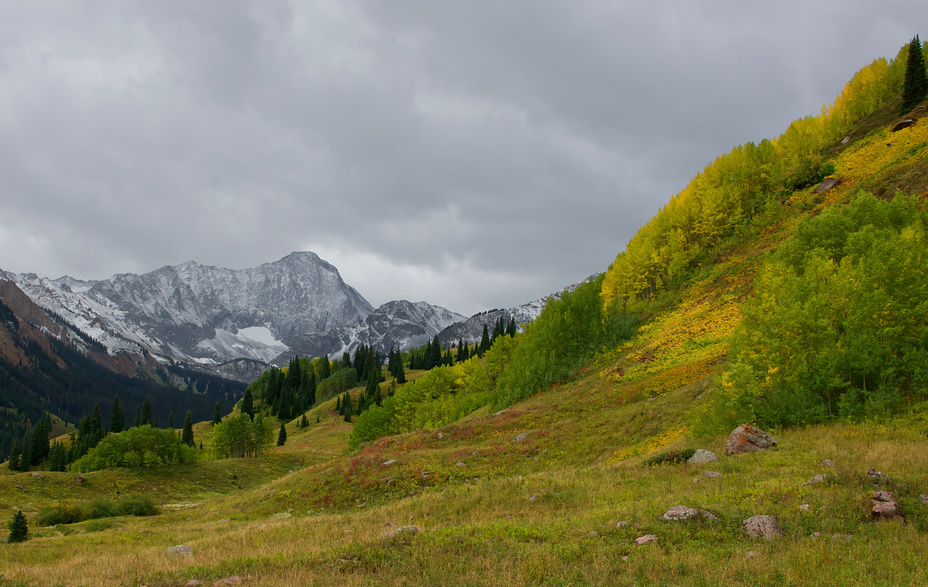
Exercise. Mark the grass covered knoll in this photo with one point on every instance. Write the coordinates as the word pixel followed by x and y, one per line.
pixel 555 488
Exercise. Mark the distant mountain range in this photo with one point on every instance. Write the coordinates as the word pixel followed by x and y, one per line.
pixel 236 322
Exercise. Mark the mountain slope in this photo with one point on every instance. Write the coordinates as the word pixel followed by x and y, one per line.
pixel 206 314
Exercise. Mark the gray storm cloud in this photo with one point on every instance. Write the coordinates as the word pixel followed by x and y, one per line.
pixel 474 155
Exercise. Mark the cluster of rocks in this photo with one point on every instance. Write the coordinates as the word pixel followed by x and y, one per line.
pixel 747 438
pixel 184 550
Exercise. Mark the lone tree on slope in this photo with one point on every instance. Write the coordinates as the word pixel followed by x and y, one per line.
pixel 19 529
pixel 915 86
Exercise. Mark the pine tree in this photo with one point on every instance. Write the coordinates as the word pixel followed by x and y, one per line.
pixel 317 418
pixel 326 368
pixel 117 418
pixel 171 421
pixel 311 389
pixel 13 463
pixel 217 415
pixel 146 412
pixel 138 418
pixel 58 461
pixel 186 436
pixel 282 437
pixel 400 372
pixel 40 446
pixel 19 529
pixel 304 422
pixel 294 375
pixel 915 85
pixel 497 329
pixel 484 342
pixel 338 404
pixel 248 404
pixel 512 328
pixel 25 461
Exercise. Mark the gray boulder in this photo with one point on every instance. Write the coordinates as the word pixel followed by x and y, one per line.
pixel 701 457
pixel 762 526
pixel 179 550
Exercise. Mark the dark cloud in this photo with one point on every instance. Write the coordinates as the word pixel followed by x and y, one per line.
pixel 474 154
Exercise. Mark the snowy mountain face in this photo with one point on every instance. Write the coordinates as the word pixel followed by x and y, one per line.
pixel 234 321
pixel 205 314
pixel 397 324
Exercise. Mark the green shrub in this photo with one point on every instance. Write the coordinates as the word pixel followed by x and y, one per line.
pixel 672 457
pixel 63 513
pixel 136 505
pixel 70 512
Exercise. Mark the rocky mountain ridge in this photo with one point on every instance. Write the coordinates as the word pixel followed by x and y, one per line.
pixel 237 321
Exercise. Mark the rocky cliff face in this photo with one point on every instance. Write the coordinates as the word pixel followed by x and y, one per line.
pixel 211 315
pixel 206 314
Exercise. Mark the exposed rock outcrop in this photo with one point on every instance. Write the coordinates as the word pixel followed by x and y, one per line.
pixel 747 438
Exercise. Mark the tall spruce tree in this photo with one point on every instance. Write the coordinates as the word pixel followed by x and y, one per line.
pixel 146 412
pixel 248 404
pixel 217 415
pixel 186 436
pixel 171 421
pixel 282 436
pixel 484 342
pixel 19 528
pixel 15 453
pixel 915 85
pixel 117 417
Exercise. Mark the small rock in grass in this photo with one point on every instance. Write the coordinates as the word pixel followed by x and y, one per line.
pixel 679 513
pixel 594 534
pixel 193 583
pixel 766 526
pixel 440 436
pixel 459 464
pixel 885 507
pixel 713 474
pixel 521 437
pixel 924 498
pixel 402 532
pixel 624 559
pixel 388 463
pixel 827 463
pixel 682 513
pixel 623 524
pixel 877 476
pixel 229 581
pixel 179 550
pixel 805 507
pixel 81 479
pixel 750 554
pixel 533 498
pixel 646 539
pixel 701 457
pixel 815 480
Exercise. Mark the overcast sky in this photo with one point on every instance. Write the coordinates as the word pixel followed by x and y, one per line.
pixel 474 154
